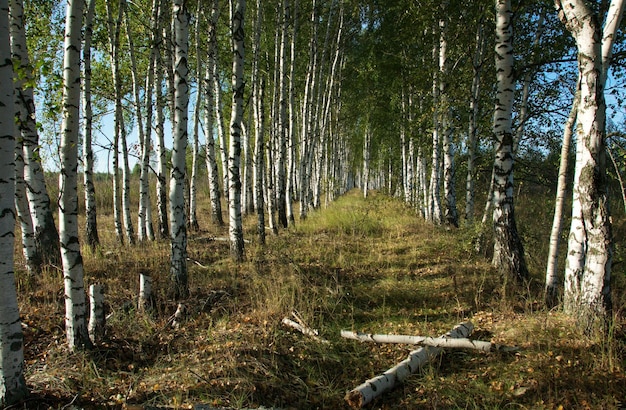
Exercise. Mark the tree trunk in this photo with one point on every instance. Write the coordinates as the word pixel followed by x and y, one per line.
pixel 235 227
pixel 75 304
pixel 193 181
pixel 508 255
pixel 29 248
pixel 258 90
pixel 91 222
pixel 376 386
pixel 366 160
pixel 178 224
pixel 97 320
pixel 291 137
pixel 451 216
pixel 434 202
pixel 590 246
pixel 128 222
pixel 46 235
pixel 474 108
pixel 161 186
pixel 114 42
pixel 12 382
pixel 551 286
pixel 211 163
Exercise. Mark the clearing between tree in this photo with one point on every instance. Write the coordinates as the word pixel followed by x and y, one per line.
pixel 366 265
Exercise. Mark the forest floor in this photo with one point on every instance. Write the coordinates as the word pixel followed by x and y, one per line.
pixel 368 265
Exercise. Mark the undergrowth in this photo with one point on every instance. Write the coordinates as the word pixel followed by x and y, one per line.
pixel 369 265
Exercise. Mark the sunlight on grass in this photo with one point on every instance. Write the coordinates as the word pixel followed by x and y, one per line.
pixel 369 265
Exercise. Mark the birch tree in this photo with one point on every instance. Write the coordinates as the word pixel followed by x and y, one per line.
pixel 508 255
pixel 12 382
pixel 590 244
pixel 209 102
pixel 114 34
pixel 144 143
pixel 258 88
pixel 551 285
pixel 45 232
pixel 75 303
pixel 29 248
pixel 450 212
pixel 235 227
pixel 193 180
pixel 281 171
pixel 474 110
pixel 91 222
pixel 434 201
pixel 161 185
pixel 178 223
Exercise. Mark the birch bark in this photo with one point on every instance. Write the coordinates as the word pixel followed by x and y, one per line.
pixel 234 155
pixel 551 286
pixel 590 245
pixel 451 216
pixel 75 303
pixel 91 221
pixel 46 235
pixel 508 255
pixel 12 382
pixel 114 34
pixel 144 146
pixel 178 224
pixel 193 218
pixel 474 110
pixel 211 163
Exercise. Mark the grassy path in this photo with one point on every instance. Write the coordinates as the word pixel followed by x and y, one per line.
pixel 367 265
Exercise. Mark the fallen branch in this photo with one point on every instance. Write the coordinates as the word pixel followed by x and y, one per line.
pixel 376 386
pixel 461 343
pixel 303 329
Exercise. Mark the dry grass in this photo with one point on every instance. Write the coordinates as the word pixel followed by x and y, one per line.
pixel 364 265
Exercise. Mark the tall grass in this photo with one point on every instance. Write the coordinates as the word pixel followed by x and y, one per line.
pixel 368 265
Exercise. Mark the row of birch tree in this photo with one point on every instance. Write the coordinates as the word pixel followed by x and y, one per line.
pixel 320 96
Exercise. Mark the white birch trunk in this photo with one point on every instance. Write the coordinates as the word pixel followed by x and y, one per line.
pixel 12 382
pixel 161 186
pixel 235 228
pixel 97 321
pixel 366 160
pixel 551 285
pixel 508 254
pixel 366 392
pixel 281 173
pixel 307 117
pixel 91 222
pixel 590 246
pixel 474 108
pixel 142 230
pixel 291 137
pixel 211 163
pixel 145 292
pixel 114 35
pixel 29 248
pixel 193 180
pixel 75 303
pixel 450 216
pixel 178 224
pixel 434 202
pixel 129 231
pixel 258 89
pixel 46 235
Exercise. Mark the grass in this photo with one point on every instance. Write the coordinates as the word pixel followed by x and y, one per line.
pixel 368 265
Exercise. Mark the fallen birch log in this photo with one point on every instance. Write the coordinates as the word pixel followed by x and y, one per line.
pixel 446 342
pixel 303 329
pixel 376 386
